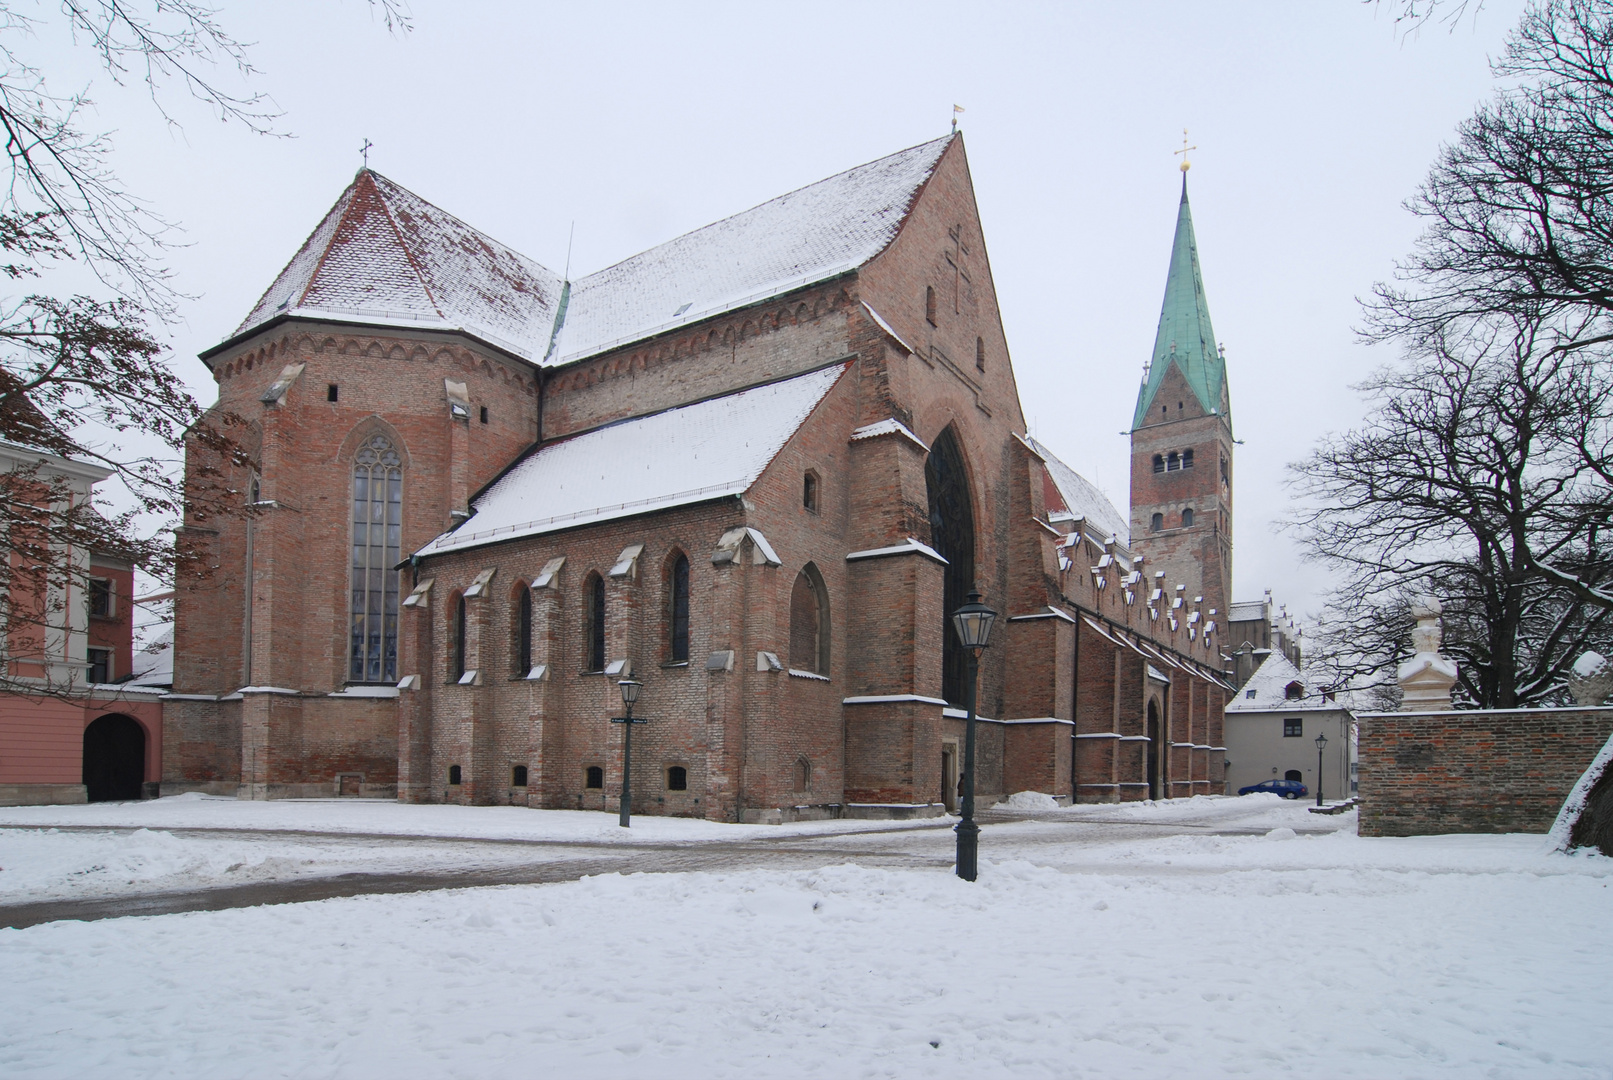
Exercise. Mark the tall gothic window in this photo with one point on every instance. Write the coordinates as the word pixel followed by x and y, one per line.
pixel 809 623
pixel 594 617
pixel 952 533
pixel 377 535
pixel 456 659
pixel 678 613
pixel 523 631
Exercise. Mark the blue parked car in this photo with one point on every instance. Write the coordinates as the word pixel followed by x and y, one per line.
pixel 1288 789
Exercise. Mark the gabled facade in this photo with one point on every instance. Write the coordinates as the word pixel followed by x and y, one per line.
pixel 754 468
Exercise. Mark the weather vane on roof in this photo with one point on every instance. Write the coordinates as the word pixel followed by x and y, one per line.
pixel 365 150
pixel 956 109
pixel 1186 164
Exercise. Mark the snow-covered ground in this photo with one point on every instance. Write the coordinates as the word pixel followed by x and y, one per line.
pixel 1144 940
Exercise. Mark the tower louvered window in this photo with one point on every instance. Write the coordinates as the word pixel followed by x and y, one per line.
pixel 377 536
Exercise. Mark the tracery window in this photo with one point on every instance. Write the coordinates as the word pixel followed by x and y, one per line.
pixel 377 535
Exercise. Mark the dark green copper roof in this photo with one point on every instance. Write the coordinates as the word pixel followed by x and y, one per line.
pixel 1185 336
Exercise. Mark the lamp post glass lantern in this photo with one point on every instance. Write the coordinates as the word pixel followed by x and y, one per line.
pixel 1321 744
pixel 973 623
pixel 630 689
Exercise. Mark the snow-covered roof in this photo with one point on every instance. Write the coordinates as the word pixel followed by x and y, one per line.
pixel 1267 690
pixel 384 255
pixel 1082 497
pixel 1246 610
pixel 154 664
pixel 809 235
pixel 690 454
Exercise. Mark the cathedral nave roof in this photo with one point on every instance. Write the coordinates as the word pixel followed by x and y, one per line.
pixel 385 256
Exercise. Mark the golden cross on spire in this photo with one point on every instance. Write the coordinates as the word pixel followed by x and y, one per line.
pixel 1186 164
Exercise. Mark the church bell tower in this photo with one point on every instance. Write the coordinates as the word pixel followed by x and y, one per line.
pixel 1181 444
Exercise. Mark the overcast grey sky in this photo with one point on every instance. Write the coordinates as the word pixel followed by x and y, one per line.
pixel 1313 120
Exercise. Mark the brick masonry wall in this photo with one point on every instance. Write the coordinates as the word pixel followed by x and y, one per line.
pixel 742 734
pixel 1480 771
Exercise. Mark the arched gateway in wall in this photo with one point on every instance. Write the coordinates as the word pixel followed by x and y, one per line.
pixel 114 758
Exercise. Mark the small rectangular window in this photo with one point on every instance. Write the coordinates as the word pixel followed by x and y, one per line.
pixel 330 392
pixel 484 414
pixel 100 665
pixel 595 777
pixel 677 778
pixel 99 596
pixel 1293 729
pixel 518 776
pixel 1250 694
pixel 454 774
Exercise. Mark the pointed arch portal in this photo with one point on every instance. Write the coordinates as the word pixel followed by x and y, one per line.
pixel 952 533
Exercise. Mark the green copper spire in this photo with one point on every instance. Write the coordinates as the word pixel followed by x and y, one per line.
pixel 1185 339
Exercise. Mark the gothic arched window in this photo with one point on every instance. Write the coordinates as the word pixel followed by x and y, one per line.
pixel 678 611
pixel 1156 523
pixel 594 618
pixel 929 304
pixel 1187 519
pixel 1173 461
pixel 523 631
pixel 377 536
pixel 809 623
pixel 952 534
pixel 456 640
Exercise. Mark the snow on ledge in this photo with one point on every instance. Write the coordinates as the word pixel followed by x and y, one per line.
pixel 882 699
pixel 908 547
pixel 888 426
pixel 797 673
pixel 885 326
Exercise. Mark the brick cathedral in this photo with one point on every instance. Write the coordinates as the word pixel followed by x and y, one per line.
pixel 753 468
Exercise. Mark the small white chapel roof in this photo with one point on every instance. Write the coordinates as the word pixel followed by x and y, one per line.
pixel 693 453
pixel 1267 690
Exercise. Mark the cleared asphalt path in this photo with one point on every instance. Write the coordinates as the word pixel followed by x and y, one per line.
pixel 473 863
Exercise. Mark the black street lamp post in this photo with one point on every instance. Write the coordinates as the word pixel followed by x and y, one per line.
pixel 1321 744
pixel 973 622
pixel 630 690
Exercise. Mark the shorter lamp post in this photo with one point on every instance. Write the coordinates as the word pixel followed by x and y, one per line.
pixel 973 622
pixel 630 689
pixel 1321 744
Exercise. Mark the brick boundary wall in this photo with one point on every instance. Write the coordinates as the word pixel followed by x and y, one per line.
pixel 1476 771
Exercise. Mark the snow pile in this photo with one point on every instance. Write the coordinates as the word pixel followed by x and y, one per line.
pixel 1589 663
pixel 1195 955
pixel 1029 800
pixel 1562 830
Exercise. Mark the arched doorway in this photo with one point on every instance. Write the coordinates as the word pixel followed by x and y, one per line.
pixel 114 758
pixel 952 534
pixel 1294 775
pixel 1153 749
